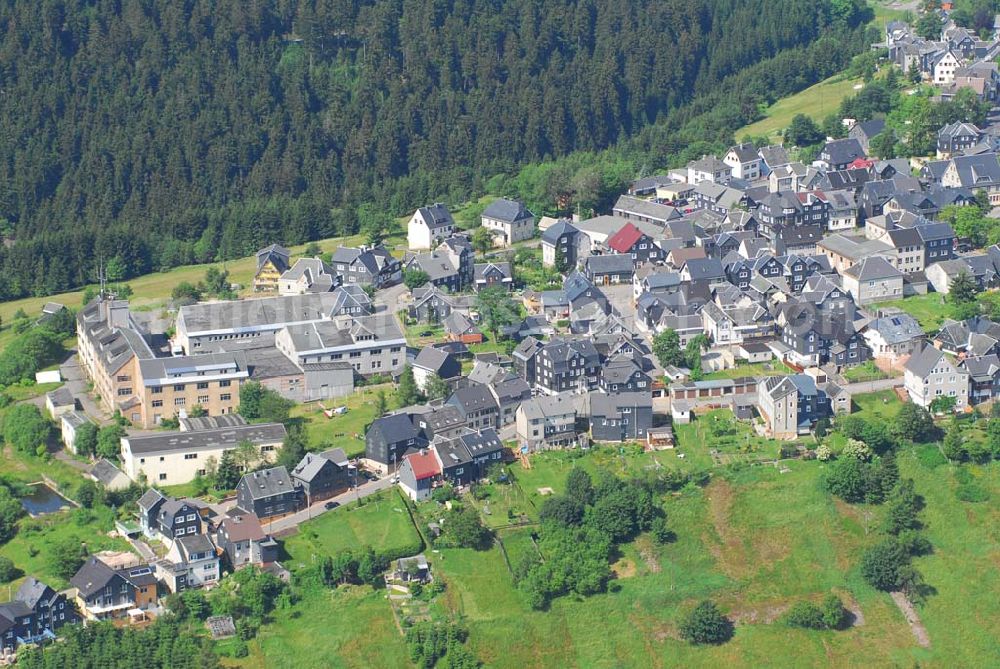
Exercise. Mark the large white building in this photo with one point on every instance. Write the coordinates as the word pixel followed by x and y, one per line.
pixel 930 374
pixel 173 458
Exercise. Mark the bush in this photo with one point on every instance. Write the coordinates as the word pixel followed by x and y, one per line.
pixel 8 572
pixel 706 625
pixel 972 492
pixel 882 565
pixel 805 615
pixel 834 613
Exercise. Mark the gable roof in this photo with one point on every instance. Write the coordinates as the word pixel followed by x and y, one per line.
pixel 267 483
pixel 436 216
pixel 623 240
pixel 923 362
pixel 506 210
pixel 873 268
pixel 423 464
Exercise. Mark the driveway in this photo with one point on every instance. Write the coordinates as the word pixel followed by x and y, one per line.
pixel 319 508
pixel 392 299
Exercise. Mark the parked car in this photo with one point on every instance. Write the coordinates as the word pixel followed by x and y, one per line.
pixel 331 505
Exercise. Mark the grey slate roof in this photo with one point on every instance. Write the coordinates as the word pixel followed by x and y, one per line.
pixel 506 210
pixel 603 404
pixel 923 362
pixel 873 268
pixel 614 263
pixel 897 328
pixel 105 471
pixel 431 358
pixel 557 230
pixel 436 216
pixel 309 467
pixel 268 483
pixel 270 311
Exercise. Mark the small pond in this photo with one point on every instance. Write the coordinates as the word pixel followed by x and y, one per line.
pixel 43 500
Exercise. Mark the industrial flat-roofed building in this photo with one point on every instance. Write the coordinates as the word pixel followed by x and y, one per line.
pixel 173 458
pixel 173 386
pixel 370 344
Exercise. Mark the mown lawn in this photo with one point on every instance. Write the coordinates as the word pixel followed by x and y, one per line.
pixel 348 627
pixel 930 310
pixel 773 368
pixel 816 101
pixel 382 523
pixel 346 430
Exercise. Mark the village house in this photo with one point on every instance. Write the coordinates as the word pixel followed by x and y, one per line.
pixel 546 422
pixel 620 416
pixel 428 226
pixel 388 438
pixel 561 245
pixel 873 280
pixel 308 275
pixel 930 374
pixel 510 221
pixel 365 266
pixel 34 615
pixel 322 475
pixel 243 541
pixel 269 493
pixel 272 262
pixel 104 593
pixel 191 562
pixel 490 274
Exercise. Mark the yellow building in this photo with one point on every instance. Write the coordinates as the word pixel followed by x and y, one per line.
pixel 272 262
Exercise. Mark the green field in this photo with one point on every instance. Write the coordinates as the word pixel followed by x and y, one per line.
pixel 382 523
pixel 930 310
pixel 349 627
pixel 816 101
pixel 345 430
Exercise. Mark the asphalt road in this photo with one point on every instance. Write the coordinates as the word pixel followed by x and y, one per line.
pixel 319 508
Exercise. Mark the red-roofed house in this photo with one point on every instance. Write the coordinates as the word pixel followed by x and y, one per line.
pixel 417 474
pixel 632 240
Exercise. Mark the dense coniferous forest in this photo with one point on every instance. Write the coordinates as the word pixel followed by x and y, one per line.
pixel 166 132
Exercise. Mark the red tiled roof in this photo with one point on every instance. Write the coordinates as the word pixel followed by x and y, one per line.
pixel 623 240
pixel 424 465
pixel 861 163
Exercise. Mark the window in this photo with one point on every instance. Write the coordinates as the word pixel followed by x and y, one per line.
pixel 179 401
pixel 178 387
pixel 156 390
pixel 190 456
pixel 225 383
pixel 202 385
pixel 225 397
pixel 163 477
pixel 157 404
pixel 202 399
pixel 122 377
pixel 124 392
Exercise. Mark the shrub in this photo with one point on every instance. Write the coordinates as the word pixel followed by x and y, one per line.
pixel 806 615
pixel 706 625
pixel 834 613
pixel 882 565
pixel 972 492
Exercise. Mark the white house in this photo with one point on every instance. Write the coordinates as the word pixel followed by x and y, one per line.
pixel 930 374
pixel 428 226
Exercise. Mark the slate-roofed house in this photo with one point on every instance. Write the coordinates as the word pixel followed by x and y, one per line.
pixel 873 279
pixel 491 274
pixel 428 225
pixel 624 374
pixel 321 477
pixel 840 153
pixel 104 593
pixel 191 562
pixel 894 336
pixel 954 138
pixel 814 339
pixel 477 405
pixel 562 365
pixel 432 304
pixel 743 161
pixel 34 615
pixel 560 245
pixel 865 131
pixel 443 269
pixel 268 493
pixel 509 392
pixel 942 274
pixel 620 416
pixel 708 168
pixel 984 378
pixel 389 437
pixel 108 475
pixel 509 220
pixel 972 337
pixel 272 262
pixel 790 405
pixel 431 361
pixel 465 459
pixel 609 269
pixel 308 275
pixel 546 422
pixel 366 266
pixel 704 270
pixel 930 374
pixel 978 172
pixel 244 542
pixel 459 327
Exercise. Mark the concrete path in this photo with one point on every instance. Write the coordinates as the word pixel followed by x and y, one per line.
pixel 912 619
pixel 143 549
pixel 319 508
pixel 76 381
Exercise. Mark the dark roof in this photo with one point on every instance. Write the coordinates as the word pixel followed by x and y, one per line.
pixel 92 577
pixel 613 263
pixel 431 358
pixel 207 439
pixel 506 210
pixel 394 428
pixel 267 483
pixel 843 151
pixel 473 398
pixel 557 230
